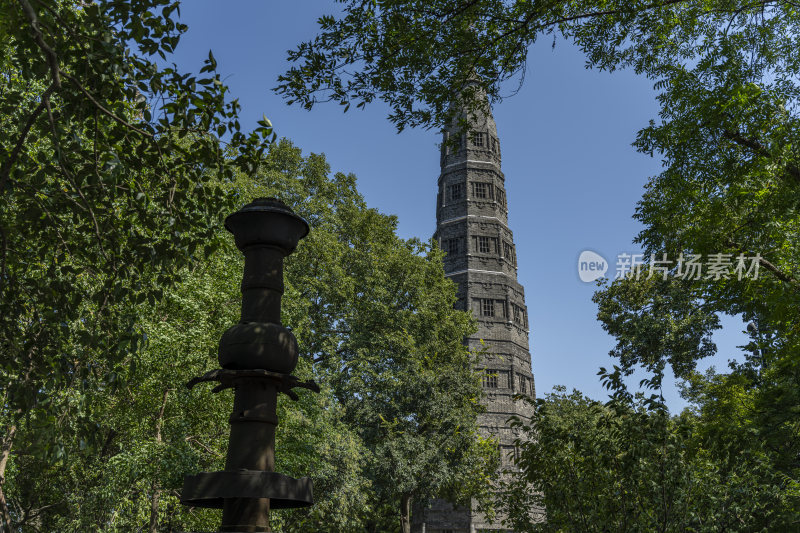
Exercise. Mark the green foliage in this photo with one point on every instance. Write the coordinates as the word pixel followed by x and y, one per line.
pixel 627 458
pixel 105 200
pixel 103 195
pixel 414 55
pixel 730 185
pixel 627 466
pixel 417 54
pixel 116 281
pixel 357 297
pixel 378 320
pixel 727 75
pixel 656 322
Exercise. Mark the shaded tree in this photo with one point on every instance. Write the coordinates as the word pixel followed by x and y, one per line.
pixel 385 336
pixel 104 199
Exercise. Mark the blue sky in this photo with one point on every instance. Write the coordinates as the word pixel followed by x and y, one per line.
pixel 572 177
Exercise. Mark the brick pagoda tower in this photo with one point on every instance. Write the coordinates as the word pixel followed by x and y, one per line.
pixel 472 228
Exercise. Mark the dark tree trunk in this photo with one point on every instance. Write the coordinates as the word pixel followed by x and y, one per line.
pixel 405 513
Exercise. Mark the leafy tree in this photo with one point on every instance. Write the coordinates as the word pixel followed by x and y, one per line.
pixel 385 336
pixel 729 95
pixel 628 466
pixel 596 467
pixel 103 201
pixel 657 322
pixel 114 180
pixel 730 186
pixel 728 131
pixel 356 295
pixel 416 54
pixel 727 75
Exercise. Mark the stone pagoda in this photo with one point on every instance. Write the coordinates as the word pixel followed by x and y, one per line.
pixel 472 228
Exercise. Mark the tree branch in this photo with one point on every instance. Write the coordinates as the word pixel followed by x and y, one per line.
pixel 107 445
pixel 102 108
pixel 192 438
pixel 30 514
pixel 780 274
pixel 52 58
pixel 5 170
pixel 530 16
pixel 3 254
pixel 155 487
pixel 759 149
pixel 71 179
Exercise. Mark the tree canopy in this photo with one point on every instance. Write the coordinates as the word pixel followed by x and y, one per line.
pixel 116 281
pixel 104 200
pixel 375 321
pixel 629 466
pixel 417 54
pixel 728 80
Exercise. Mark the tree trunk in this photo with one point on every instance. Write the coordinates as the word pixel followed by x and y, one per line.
pixel 5 515
pixel 154 507
pixel 405 513
pixel 155 486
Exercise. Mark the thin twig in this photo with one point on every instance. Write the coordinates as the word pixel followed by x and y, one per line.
pixel 156 489
pixel 5 453
pixel 192 438
pixel 3 253
pixel 72 181
pixel 102 108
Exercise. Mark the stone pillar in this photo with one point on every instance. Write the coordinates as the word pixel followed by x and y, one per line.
pixel 257 356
